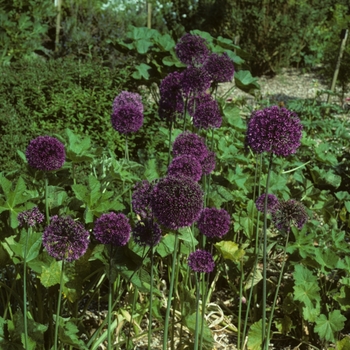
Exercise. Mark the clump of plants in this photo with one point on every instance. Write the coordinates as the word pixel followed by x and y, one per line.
pixel 219 201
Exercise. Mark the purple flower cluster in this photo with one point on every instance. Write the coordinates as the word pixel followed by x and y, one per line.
pixel 30 217
pixel 188 143
pixel 112 229
pixel 219 67
pixel 288 213
pixel 207 115
pixel 192 49
pixel 45 153
pixel 141 198
pixel 147 233
pixel 185 165
pixel 176 202
pixel 65 239
pixel 127 98
pixel 272 203
pixel 171 104
pixel 201 261
pixel 208 163
pixel 275 130
pixel 195 80
pixel 127 119
pixel 214 223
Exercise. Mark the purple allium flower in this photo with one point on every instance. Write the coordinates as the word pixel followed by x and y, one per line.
pixel 213 222
pixel 185 165
pixel 201 261
pixel 288 213
pixel 45 153
pixel 141 198
pixel 30 217
pixel 128 98
pixel 190 144
pixel 147 233
pixel 274 129
pixel 272 203
pixel 219 67
pixel 176 202
pixel 207 115
pixel 171 103
pixel 208 163
pixel 127 118
pixel 192 49
pixel 112 229
pixel 65 239
pixel 194 101
pixel 195 80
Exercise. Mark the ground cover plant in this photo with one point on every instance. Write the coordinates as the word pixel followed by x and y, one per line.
pixel 191 194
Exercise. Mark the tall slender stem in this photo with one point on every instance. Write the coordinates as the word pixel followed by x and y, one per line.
pixel 150 304
pixel 110 292
pixel 170 295
pixel 197 313
pixel 264 339
pixel 25 319
pixel 47 200
pixel 58 312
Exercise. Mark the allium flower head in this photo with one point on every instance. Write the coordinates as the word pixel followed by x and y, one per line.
pixel 65 239
pixel 185 165
pixel 141 198
pixel 176 202
pixel 192 49
pixel 288 213
pixel 201 261
pixel 45 153
pixel 194 101
pixel 190 144
pixel 127 118
pixel 275 130
pixel 207 115
pixel 128 98
pixel 171 103
pixel 219 67
pixel 147 233
pixel 30 217
pixel 213 222
pixel 208 163
pixel 272 203
pixel 112 229
pixel 195 80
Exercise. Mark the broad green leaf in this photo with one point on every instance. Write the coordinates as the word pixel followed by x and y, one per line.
pixel 233 116
pixel 284 325
pixel 343 298
pixel 343 344
pixel 245 82
pixel 142 46
pixel 2 328
pixel 34 244
pixel 166 42
pixel 95 191
pixel 142 71
pixel 326 328
pixel 69 334
pixel 303 275
pixel 253 280
pixel 51 276
pixel 166 245
pixel 307 293
pixel 190 323
pixel 230 250
pixel 254 336
pixel 311 314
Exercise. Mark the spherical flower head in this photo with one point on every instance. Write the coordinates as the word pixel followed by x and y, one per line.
pixel 208 163
pixel 272 203
pixel 275 130
pixel 185 165
pixel 201 261
pixel 190 144
pixel 127 119
pixel 141 198
pixel 45 153
pixel 219 67
pixel 207 115
pixel 147 233
pixel 195 80
pixel 128 98
pixel 192 49
pixel 213 222
pixel 112 229
pixel 194 101
pixel 171 103
pixel 176 202
pixel 288 213
pixel 65 239
pixel 30 217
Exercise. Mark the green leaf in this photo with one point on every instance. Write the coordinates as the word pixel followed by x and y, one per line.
pixel 142 71
pixel 307 293
pixel 230 250
pixel 233 116
pixel 245 82
pixel 284 325
pixel 255 335
pixel 166 245
pixel 343 344
pixel 303 275
pixel 142 46
pixel 190 323
pixel 166 42
pixel 51 276
pixel 69 333
pixel 326 328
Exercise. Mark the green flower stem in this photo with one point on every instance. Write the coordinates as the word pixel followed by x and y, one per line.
pixel 150 303
pixel 110 292
pixel 240 306
pixel 169 149
pixel 59 307
pixel 25 319
pixel 185 114
pixel 264 339
pixel 278 287
pixel 170 295
pixel 46 200
pixel 126 149
pixel 197 313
